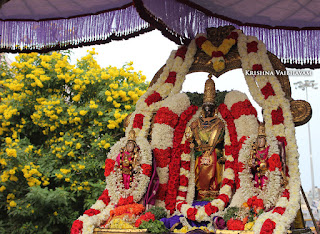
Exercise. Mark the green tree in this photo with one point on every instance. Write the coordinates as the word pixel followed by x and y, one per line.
pixel 57 123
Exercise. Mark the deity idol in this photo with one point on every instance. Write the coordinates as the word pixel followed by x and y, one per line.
pixel 258 158
pixel 128 159
pixel 205 134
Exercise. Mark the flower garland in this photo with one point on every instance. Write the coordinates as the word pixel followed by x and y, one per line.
pixel 186 189
pixel 267 92
pixel 163 129
pixel 217 53
pixel 145 217
pixel 169 83
pixel 178 150
pixel 93 217
pixel 272 189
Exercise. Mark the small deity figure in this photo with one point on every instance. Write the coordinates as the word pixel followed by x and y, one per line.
pixel 258 158
pixel 128 159
pixel 205 134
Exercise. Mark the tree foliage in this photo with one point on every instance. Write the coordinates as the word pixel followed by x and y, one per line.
pixel 197 98
pixel 57 122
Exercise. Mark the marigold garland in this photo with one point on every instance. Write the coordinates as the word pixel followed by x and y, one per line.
pixel 217 53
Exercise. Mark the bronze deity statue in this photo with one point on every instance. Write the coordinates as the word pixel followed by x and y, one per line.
pixel 128 159
pixel 258 158
pixel 206 137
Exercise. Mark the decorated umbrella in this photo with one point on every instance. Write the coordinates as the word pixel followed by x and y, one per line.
pixel 290 29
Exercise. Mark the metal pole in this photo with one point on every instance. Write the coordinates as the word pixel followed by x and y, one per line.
pixel 304 86
pixel 310 210
pixel 310 151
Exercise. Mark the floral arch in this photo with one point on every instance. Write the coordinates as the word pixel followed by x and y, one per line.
pixel 167 112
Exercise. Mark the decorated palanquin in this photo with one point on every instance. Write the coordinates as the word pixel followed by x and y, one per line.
pixel 209 168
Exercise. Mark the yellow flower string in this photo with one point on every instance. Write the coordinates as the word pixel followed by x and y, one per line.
pixel 217 53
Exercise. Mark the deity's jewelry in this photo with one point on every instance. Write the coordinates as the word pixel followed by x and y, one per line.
pixel 209 92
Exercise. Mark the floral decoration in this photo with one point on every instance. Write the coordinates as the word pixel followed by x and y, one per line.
pixel 217 53
pixel 279 123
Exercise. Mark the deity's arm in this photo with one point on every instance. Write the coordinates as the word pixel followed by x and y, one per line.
pixel 191 133
pixel 118 158
pixel 136 159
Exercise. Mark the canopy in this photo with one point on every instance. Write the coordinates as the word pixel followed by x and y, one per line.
pixel 38 25
pixel 289 28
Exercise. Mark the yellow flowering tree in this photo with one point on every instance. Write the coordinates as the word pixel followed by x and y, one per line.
pixel 57 122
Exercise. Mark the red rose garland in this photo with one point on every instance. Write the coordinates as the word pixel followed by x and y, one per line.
pixel 181 52
pixel 178 149
pixel 210 209
pixel 155 97
pixel 243 108
pixel 255 202
pixel 234 224
pixel 274 162
pixel 76 227
pixel 268 227
pixel 146 169
pixel 279 210
pixel 145 217
pixel 138 121
pixel 91 212
pixel 164 117
pixel 109 166
pixel 252 47
pixel 234 148
pixel 257 67
pixel 171 78
pixel 184 190
pixel 191 213
pixel 277 116
pixel 286 194
pixel 162 156
pixel 105 197
pixel 268 91
pixel 125 201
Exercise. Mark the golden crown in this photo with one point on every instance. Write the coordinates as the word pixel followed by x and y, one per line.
pixel 209 91
pixel 132 135
pixel 261 130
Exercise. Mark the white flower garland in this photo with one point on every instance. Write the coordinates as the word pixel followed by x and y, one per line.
pixel 190 174
pixel 286 129
pixel 162 134
pixel 271 190
pixel 140 181
pixel 90 222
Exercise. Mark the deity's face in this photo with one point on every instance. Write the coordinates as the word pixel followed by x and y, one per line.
pixel 208 109
pixel 261 141
pixel 130 146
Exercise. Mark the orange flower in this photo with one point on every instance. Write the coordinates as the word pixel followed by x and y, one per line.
pixel 134 208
